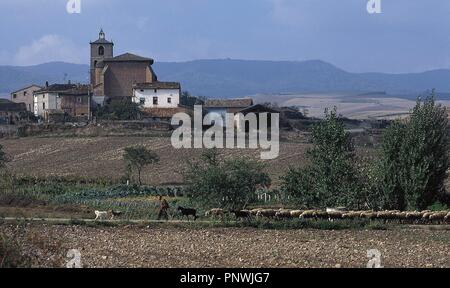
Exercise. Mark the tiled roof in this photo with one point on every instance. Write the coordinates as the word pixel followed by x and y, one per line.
pixel 66 89
pixel 8 106
pixel 128 57
pixel 157 85
pixel 229 103
pixel 77 91
pixel 25 88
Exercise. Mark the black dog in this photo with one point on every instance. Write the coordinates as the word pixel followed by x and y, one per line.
pixel 188 212
pixel 241 214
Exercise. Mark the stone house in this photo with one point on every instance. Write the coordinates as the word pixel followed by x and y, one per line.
pixel 11 112
pixel 25 95
pixel 73 100
pixel 157 94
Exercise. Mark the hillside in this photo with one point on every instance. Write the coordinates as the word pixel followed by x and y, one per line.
pixel 234 78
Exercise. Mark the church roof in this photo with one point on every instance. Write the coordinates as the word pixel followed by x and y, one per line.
pixel 102 41
pixel 157 85
pixel 128 57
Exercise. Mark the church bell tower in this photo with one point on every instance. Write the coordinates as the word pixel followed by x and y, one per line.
pixel 100 49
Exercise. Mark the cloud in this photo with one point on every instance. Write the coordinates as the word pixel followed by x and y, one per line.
pixel 50 48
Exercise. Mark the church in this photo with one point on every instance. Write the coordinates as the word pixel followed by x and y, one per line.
pixel 115 77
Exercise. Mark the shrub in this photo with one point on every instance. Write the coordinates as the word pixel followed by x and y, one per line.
pixel 332 178
pixel 229 183
pixel 123 109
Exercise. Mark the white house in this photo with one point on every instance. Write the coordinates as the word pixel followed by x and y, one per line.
pixel 157 94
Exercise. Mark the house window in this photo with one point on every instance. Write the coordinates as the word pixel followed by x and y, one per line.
pixel 142 101
pixel 24 93
pixel 101 50
pixel 79 99
pixel 155 100
pixel 156 90
pixel 14 96
pixel 169 100
pixel 43 106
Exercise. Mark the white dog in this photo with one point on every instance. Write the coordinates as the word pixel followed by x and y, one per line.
pixel 101 215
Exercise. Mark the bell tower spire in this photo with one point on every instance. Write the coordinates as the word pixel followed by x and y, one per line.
pixel 100 49
pixel 101 35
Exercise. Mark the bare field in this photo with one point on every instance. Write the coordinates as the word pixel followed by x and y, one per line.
pixel 229 247
pixel 351 105
pixel 102 157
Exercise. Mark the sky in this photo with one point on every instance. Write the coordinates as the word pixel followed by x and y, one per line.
pixel 408 36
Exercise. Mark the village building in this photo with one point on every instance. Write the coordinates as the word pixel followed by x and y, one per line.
pixel 239 107
pixel 157 94
pixel 25 95
pixel 223 106
pixel 11 112
pixel 73 100
pixel 113 77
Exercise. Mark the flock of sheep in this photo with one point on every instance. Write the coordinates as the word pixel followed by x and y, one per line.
pixel 425 217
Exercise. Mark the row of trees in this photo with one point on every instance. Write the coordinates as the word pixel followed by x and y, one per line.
pixel 408 172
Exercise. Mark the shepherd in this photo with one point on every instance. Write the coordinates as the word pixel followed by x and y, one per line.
pixel 163 207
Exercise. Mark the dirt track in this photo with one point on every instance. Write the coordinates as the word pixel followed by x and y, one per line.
pixel 133 246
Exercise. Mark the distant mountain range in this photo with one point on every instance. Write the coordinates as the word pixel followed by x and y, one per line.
pixel 237 78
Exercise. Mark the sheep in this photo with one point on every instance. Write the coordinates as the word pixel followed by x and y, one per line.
pixel 414 216
pixel 447 217
pixel 296 213
pixel 188 212
pixel 308 214
pixel 369 215
pixel 438 216
pixel 283 214
pixel 268 213
pixel 333 215
pixel 351 215
pixel 253 212
pixel 386 215
pixel 320 215
pixel 215 212
pixel 400 216
pixel 101 215
pixel 426 216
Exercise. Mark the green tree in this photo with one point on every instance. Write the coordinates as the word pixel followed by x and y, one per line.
pixel 228 183
pixel 331 179
pixel 390 168
pixel 414 157
pixel 426 153
pixel 136 158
